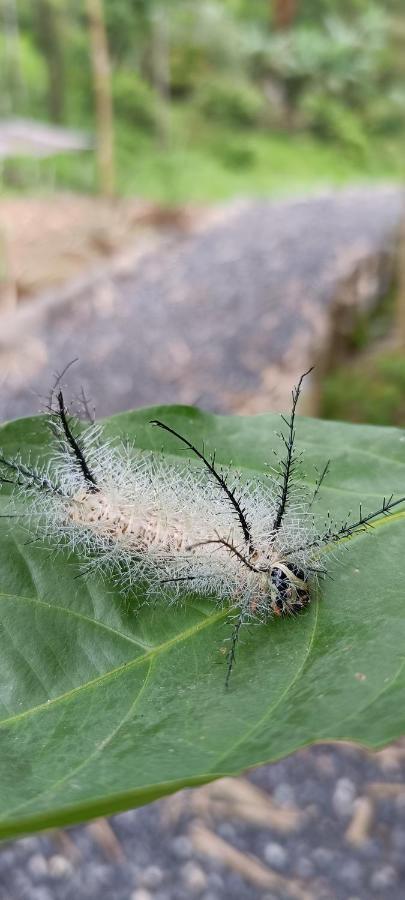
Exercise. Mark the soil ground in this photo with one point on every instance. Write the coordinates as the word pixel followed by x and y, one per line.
pixel 46 241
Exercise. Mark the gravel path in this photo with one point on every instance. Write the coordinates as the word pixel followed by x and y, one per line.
pixel 336 830
pixel 225 317
pixel 216 318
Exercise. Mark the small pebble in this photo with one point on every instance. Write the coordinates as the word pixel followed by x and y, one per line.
pixel 215 880
pixel 40 893
pixel 369 849
pixel 59 866
pixel 21 883
pixel 344 796
pixel 284 795
pixel 7 859
pixel 351 872
pixel 127 820
pixel 151 877
pixel 141 894
pixel 95 877
pixel 400 801
pixel 323 857
pixel 37 865
pixel 303 867
pixel 398 838
pixel 28 843
pixel 182 847
pixel 275 855
pixel 194 877
pixel 383 878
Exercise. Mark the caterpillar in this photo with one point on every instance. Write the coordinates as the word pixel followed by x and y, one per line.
pixel 251 544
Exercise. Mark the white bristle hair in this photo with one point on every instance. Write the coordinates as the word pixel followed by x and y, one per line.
pixel 248 542
pixel 153 521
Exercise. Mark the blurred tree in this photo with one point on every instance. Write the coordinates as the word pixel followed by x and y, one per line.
pixel 161 68
pixel 50 38
pixel 103 95
pixel 11 56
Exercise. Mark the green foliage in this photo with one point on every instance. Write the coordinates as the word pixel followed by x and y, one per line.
pixel 385 114
pixel 134 100
pixel 229 101
pixel 79 93
pixel 333 120
pixel 127 24
pixel 31 70
pixel 106 704
pixel 205 39
pixel 374 393
pixel 332 75
pixel 235 153
pixel 333 82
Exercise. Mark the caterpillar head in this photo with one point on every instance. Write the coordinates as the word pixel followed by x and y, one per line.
pixel 289 589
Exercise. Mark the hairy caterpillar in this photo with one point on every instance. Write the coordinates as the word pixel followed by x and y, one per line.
pixel 252 545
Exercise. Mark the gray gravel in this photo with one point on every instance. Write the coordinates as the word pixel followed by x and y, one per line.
pixel 159 861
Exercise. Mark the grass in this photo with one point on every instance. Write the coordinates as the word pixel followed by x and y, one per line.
pixel 369 385
pixel 372 390
pixel 209 163
pixel 240 165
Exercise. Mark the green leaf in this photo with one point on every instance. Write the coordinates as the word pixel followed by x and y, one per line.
pixel 106 704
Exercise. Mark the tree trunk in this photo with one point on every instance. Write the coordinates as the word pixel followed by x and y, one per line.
pixel 283 13
pixel 100 61
pixel 50 33
pixel 161 70
pixel 11 58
